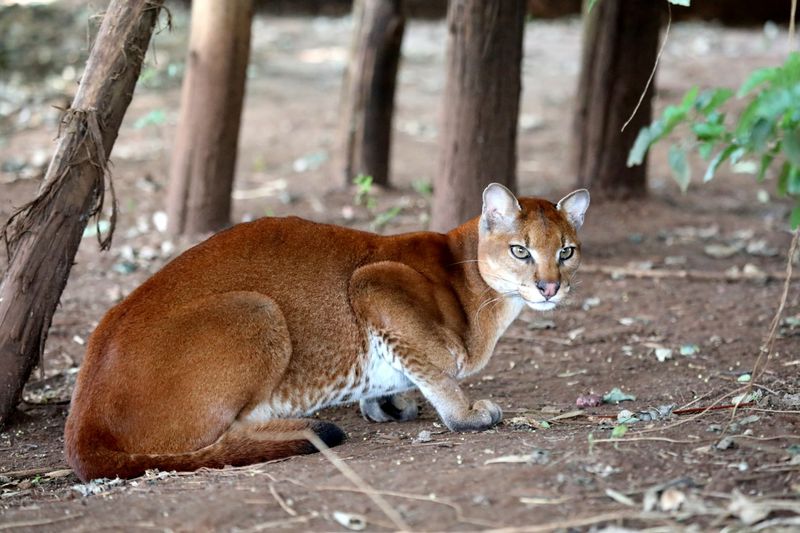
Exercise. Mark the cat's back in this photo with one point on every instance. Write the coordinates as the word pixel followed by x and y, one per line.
pixel 269 255
pixel 304 266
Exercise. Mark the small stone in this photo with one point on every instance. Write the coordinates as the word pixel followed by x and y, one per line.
pixel 588 303
pixel 722 251
pixel 160 221
pixel 725 443
pixel 424 436
pixel 671 500
pixel 662 354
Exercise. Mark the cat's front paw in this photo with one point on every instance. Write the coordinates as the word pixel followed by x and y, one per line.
pixel 483 415
pixel 488 406
pixel 396 408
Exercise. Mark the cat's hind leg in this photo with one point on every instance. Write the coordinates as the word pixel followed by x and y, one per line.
pixel 171 391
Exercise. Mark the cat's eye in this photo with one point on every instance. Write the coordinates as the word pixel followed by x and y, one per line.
pixel 520 252
pixel 566 253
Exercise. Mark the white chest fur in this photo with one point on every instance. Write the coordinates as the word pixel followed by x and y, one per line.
pixel 382 370
pixel 380 374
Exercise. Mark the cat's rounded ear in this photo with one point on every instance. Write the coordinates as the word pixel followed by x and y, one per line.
pixel 500 208
pixel 574 206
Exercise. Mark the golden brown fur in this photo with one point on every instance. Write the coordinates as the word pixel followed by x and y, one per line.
pixel 214 359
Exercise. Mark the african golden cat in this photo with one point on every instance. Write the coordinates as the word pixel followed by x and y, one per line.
pixel 215 359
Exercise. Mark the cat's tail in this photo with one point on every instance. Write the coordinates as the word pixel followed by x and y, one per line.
pixel 93 457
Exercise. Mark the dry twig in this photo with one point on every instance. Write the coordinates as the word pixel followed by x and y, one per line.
pixel 274 524
pixel 655 66
pixel 460 517
pixel 15 474
pixel 37 522
pixel 582 521
pixel 390 512
pixel 691 275
pixel 285 506
pixel 661 439
pixel 769 342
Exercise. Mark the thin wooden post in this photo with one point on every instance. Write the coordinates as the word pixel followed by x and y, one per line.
pixel 204 156
pixel 365 131
pixel 481 104
pixel 619 50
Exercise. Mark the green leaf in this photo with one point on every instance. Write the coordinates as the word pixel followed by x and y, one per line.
pixel 757 78
pixel 616 395
pixel 689 98
pixel 708 132
pixel 736 155
pixel 759 133
pixel 709 101
pixel 705 149
pixel 717 161
pixel 679 166
pixel 640 147
pixel 590 5
pixel 774 103
pixel 766 161
pixel 747 118
pixel 619 431
pixel 795 218
pixel 791 146
pixel 793 181
pixel 783 178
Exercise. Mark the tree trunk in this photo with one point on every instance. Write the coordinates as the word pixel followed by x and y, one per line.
pixel 619 50
pixel 43 237
pixel 204 156
pixel 368 94
pixel 481 104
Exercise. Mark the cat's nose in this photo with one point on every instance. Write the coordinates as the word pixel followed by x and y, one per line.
pixel 548 288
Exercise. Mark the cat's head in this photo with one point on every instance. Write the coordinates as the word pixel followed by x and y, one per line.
pixel 529 247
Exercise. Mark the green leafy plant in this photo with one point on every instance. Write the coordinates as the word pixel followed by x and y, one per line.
pixel 423 187
pixel 619 431
pixel 383 218
pixel 364 194
pixel 764 134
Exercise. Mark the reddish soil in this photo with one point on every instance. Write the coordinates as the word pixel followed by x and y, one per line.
pixel 605 337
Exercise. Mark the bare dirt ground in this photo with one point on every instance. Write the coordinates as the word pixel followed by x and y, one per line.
pixel 539 470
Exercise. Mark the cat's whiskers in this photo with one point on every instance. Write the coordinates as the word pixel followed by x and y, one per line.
pixel 501 278
pixel 467 261
pixel 493 302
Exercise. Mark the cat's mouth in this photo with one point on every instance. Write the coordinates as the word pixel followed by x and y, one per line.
pixel 535 301
pixel 541 306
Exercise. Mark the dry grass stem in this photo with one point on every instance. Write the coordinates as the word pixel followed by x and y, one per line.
pixel 37 522
pixel 275 524
pixel 278 498
pixel 390 512
pixel 692 275
pixel 659 439
pixel 580 522
pixel 655 66
pixel 394 494
pixel 769 342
